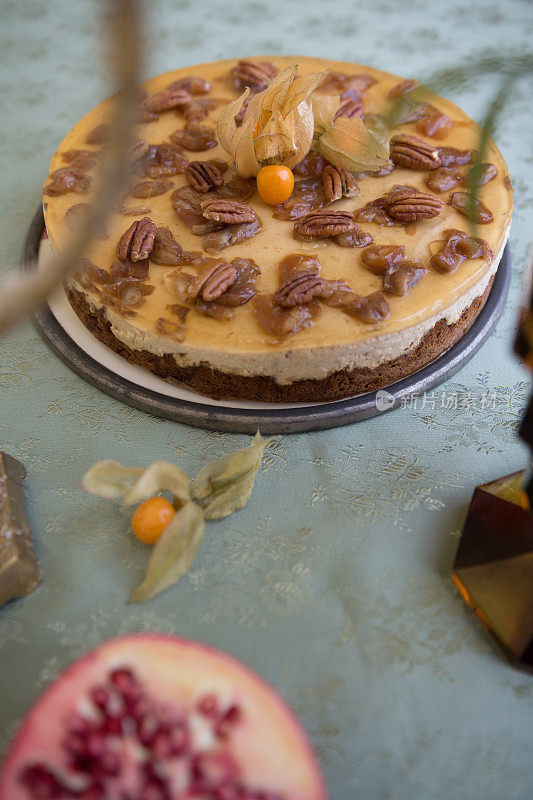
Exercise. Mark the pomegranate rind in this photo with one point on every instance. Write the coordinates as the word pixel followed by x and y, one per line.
pixel 269 744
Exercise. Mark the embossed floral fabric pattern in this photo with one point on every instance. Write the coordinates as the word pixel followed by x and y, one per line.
pixel 334 582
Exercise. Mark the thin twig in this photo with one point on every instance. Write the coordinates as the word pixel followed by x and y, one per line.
pixel 19 294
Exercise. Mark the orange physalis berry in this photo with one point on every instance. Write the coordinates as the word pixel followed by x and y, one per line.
pixel 275 184
pixel 151 518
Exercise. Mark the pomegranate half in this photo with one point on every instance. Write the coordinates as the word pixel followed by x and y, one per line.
pixel 153 717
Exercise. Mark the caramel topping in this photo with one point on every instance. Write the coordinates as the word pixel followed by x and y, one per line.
pixel 442 179
pixel 380 257
pixel 459 246
pixel 461 202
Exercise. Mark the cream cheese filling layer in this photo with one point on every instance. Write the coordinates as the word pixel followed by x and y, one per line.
pixel 289 365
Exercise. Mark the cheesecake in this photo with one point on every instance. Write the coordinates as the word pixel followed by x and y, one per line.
pixel 358 279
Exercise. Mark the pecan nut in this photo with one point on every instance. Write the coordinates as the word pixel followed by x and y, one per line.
pixel 98 135
pixel 203 176
pixel 254 74
pixel 212 281
pixel 229 235
pixel 161 160
pixel 349 107
pixel 402 89
pixel 337 183
pixel 164 101
pixel 138 147
pixel 137 242
pixel 65 179
pixel 340 82
pixel 229 212
pixel 143 115
pixel 299 290
pixel 151 188
pixel 80 160
pixel 324 223
pixel 199 109
pixel 410 205
pixel 192 84
pixel 413 153
pixel 195 137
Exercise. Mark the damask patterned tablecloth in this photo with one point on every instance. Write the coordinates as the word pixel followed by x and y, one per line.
pixel 334 582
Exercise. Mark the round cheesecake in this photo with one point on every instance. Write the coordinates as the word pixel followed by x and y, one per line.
pixel 409 215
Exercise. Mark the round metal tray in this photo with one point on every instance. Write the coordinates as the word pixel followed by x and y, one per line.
pixel 225 416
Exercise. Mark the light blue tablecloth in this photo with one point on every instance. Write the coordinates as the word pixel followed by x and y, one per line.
pixel 334 582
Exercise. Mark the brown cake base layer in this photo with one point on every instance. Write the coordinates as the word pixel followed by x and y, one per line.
pixel 345 383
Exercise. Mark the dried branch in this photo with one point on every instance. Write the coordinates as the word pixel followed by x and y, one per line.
pixel 19 294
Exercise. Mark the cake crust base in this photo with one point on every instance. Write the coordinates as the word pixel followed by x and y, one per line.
pixel 223 385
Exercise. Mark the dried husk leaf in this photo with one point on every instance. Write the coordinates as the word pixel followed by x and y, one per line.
pixel 304 126
pixel 226 125
pixel 225 485
pixel 273 97
pixel 173 553
pixel 324 108
pixel 301 88
pixel 276 140
pixel 348 144
pixel 161 476
pixel 132 484
pixel 242 144
pixel 110 479
pixel 278 124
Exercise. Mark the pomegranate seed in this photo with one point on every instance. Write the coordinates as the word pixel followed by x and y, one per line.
pixel 79 725
pixel 147 728
pixel 160 745
pixel 155 791
pixel 41 783
pixel 211 771
pixel 179 738
pixel 230 718
pixel 222 729
pixel 94 792
pixel 100 697
pixel 75 745
pixel 208 705
pixel 230 792
pixel 151 771
pixel 112 726
pixel 139 709
pixel 95 745
pixel 233 715
pixel 126 683
pixel 110 764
